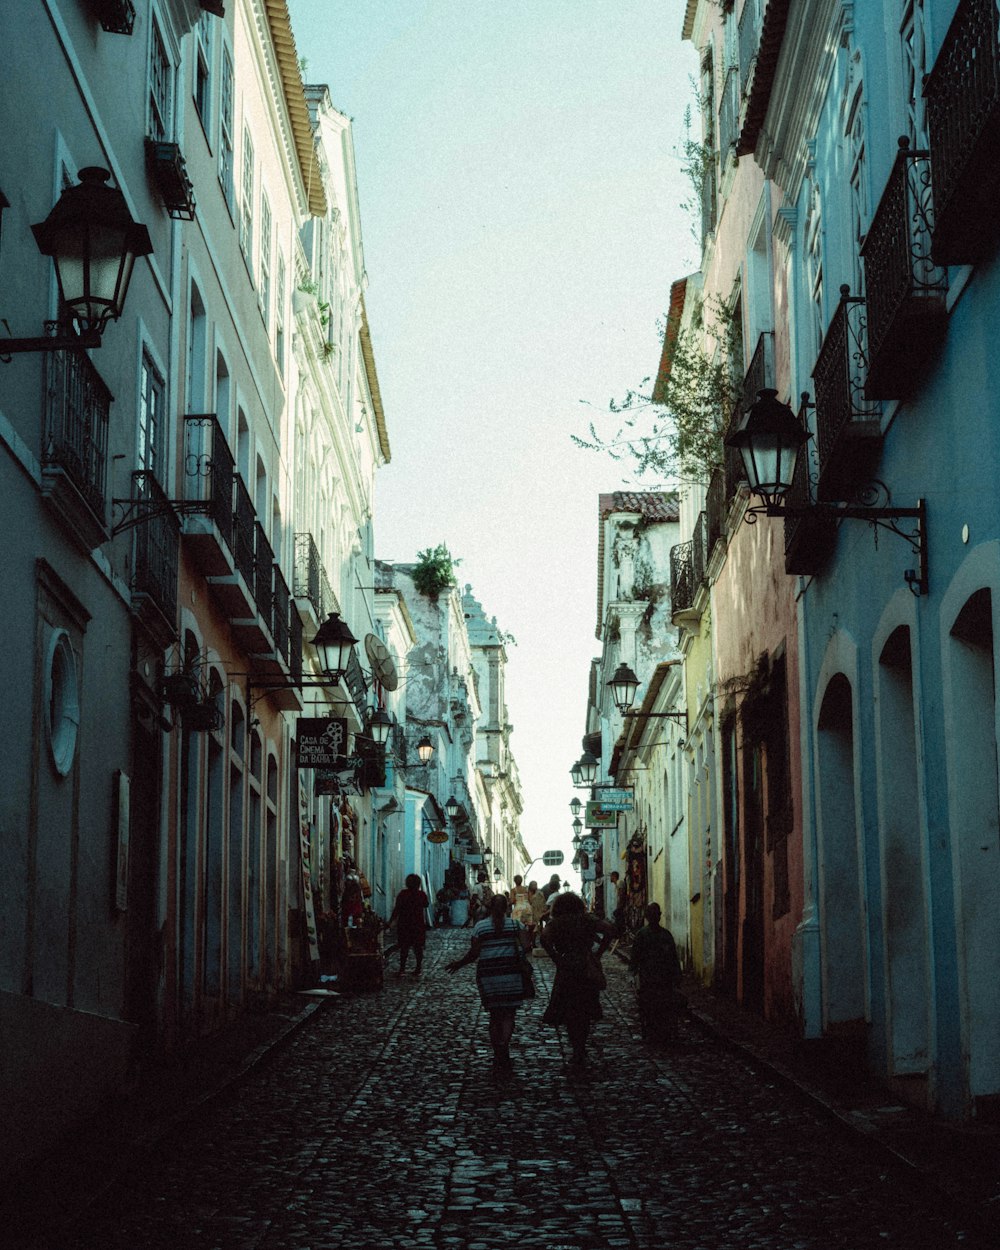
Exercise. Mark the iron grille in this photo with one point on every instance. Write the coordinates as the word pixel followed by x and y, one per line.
pixel 963 99
pixel 156 553
pixel 715 507
pixel 295 646
pixel 682 584
pixel 279 617
pixel 309 579
pixel 840 374
pixel 902 282
pixel 209 470
pixel 76 425
pixel 263 573
pixel 760 373
pixel 243 532
pixel 699 551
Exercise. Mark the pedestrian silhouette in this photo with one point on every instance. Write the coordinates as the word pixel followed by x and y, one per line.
pixel 498 949
pixel 410 915
pixel 654 964
pixel 576 939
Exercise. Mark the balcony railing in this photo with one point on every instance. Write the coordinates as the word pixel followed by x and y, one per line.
pixel 209 470
pixel 310 580
pixel 280 614
pixel 847 423
pixel 682 583
pixel 729 115
pixel 963 119
pixel 906 291
pixel 809 538
pixel 699 550
pixel 76 431
pixel 156 552
pixel 295 646
pixel 245 519
pixel 709 196
pixel 263 574
pixel 715 507
pixel 760 373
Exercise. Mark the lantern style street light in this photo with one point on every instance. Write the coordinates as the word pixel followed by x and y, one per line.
pixel 334 641
pixel 93 242
pixel 576 772
pixel 575 805
pixel 380 726
pixel 588 768
pixel 770 438
pixel 425 749
pixel 451 807
pixel 623 687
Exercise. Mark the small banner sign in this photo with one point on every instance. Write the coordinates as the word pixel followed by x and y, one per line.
pixel 321 739
pixel 617 800
pixel 601 817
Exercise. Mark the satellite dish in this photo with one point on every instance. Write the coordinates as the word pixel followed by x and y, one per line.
pixel 383 665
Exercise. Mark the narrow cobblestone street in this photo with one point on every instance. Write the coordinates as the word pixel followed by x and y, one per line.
pixel 380 1124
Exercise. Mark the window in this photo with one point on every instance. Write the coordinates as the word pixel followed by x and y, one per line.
pixel 913 45
pixel 860 213
pixel 226 128
pixel 246 208
pixel 203 70
pixel 62 702
pixel 814 269
pixel 159 122
pixel 264 288
pixel 152 394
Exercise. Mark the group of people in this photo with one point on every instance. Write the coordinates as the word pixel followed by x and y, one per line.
pixel 575 940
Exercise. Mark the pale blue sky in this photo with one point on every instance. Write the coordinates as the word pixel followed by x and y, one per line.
pixel 520 188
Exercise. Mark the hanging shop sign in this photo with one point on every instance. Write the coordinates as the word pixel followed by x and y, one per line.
pixel 617 800
pixel 600 817
pixel 437 836
pixel 321 740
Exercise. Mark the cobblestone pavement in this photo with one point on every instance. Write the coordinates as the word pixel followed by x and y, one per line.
pixel 380 1124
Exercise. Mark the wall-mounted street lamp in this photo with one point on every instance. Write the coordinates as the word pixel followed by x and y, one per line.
pixel 425 749
pixel 575 805
pixel 451 807
pixel 93 242
pixel 334 643
pixel 770 438
pixel 624 686
pixel 584 771
pixel 380 727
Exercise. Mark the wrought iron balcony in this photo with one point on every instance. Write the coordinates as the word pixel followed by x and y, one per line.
pixel 209 473
pixel 263 575
pixel 715 507
pixel 155 558
pixel 295 646
pixel 699 550
pixel 168 170
pixel 75 446
pixel 963 118
pixel 280 614
pixel 906 291
pixel 244 523
pixel 117 17
pixel 809 539
pixel 310 582
pixel 760 373
pixel 709 197
pixel 682 583
pixel 848 429
pixel 729 116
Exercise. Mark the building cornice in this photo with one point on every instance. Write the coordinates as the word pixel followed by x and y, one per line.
pixel 303 141
pixel 369 358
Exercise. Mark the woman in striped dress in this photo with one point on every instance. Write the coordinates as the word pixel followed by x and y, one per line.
pixel 497 943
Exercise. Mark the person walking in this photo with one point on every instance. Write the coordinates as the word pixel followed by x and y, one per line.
pixel 520 904
pixel 552 887
pixel 409 913
pixel 497 949
pixel 569 937
pixel 539 909
pixel 654 964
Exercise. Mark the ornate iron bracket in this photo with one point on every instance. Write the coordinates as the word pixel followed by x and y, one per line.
pixel 139 511
pixel 878 518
